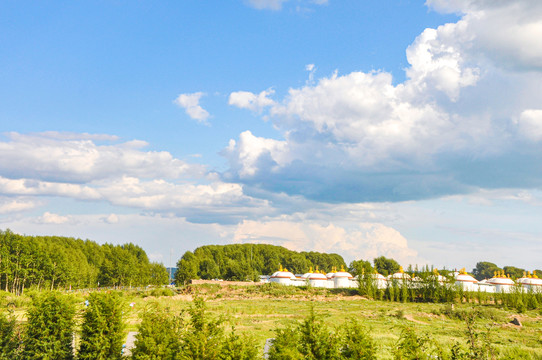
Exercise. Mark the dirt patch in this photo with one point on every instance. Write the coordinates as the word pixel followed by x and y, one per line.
pixel 409 317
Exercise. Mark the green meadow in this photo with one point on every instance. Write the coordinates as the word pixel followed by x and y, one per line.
pixel 259 310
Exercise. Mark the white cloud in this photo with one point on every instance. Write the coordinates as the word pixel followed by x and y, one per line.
pixel 190 102
pixel 36 187
pixel 10 205
pixel 251 101
pixel 50 218
pixel 72 159
pixel 530 124
pixel 449 128
pixel 266 4
pixel 119 174
pixel 361 241
pixel 252 150
pixel 111 219
pixel 506 32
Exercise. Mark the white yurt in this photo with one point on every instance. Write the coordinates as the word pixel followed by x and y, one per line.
pixel 531 282
pixel 465 281
pixel 484 286
pixel 341 279
pixel 317 280
pixel 381 281
pixel 283 276
pixel 399 276
pixel 501 282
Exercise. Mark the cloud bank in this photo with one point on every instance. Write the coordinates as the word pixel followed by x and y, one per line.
pixel 466 118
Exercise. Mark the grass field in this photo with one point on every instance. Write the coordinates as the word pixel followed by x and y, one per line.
pixel 258 311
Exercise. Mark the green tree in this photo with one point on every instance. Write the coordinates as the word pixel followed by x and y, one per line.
pixel 203 337
pixel 358 343
pixel 513 271
pixel 386 266
pixel 411 346
pixel 485 270
pixel 102 328
pixel 187 268
pixel 358 267
pixel 159 335
pixel 284 346
pixel 9 338
pixel 49 331
pixel 316 341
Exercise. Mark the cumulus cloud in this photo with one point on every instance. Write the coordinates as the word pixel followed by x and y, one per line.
pixel 50 218
pixel 10 205
pixel 466 117
pixel 530 124
pixel 361 241
pixel 122 174
pixel 251 101
pixel 111 219
pixel 72 159
pixel 190 103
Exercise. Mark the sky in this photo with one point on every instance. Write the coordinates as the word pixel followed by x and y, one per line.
pixel 407 129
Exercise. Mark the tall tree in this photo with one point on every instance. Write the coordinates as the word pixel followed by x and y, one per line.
pixel 102 329
pixel 386 266
pixel 49 331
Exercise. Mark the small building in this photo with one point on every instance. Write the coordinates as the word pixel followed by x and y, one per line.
pixel 501 282
pixel 341 279
pixel 466 281
pixel 283 276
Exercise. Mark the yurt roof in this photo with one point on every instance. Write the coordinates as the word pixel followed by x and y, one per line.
pixel 501 281
pixel 283 275
pixel 343 274
pixel 465 278
pixel 317 276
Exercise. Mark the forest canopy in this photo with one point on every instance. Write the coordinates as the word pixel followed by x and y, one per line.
pixel 243 262
pixel 54 262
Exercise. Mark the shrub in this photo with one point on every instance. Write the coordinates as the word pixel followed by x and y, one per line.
pixel 159 335
pixel 284 345
pixel 49 331
pixel 316 341
pixel 9 338
pixel 411 346
pixel 102 328
pixel 237 347
pixel 358 343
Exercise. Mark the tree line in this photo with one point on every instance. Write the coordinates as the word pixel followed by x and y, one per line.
pixel 242 262
pixel 54 262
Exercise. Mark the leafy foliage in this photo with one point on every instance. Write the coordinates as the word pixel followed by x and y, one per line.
pixel 49 332
pixel 102 328
pixel 53 262
pixel 9 337
pixel 159 335
pixel 358 343
pixel 244 262
pixel 485 270
pixel 165 336
pixel 386 266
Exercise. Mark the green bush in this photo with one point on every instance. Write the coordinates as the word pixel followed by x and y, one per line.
pixel 102 328
pixel 358 343
pixel 49 331
pixel 9 338
pixel 159 336
pixel 237 347
pixel 284 346
pixel 316 340
pixel 411 346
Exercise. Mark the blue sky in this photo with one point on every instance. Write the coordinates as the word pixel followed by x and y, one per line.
pixel 406 129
